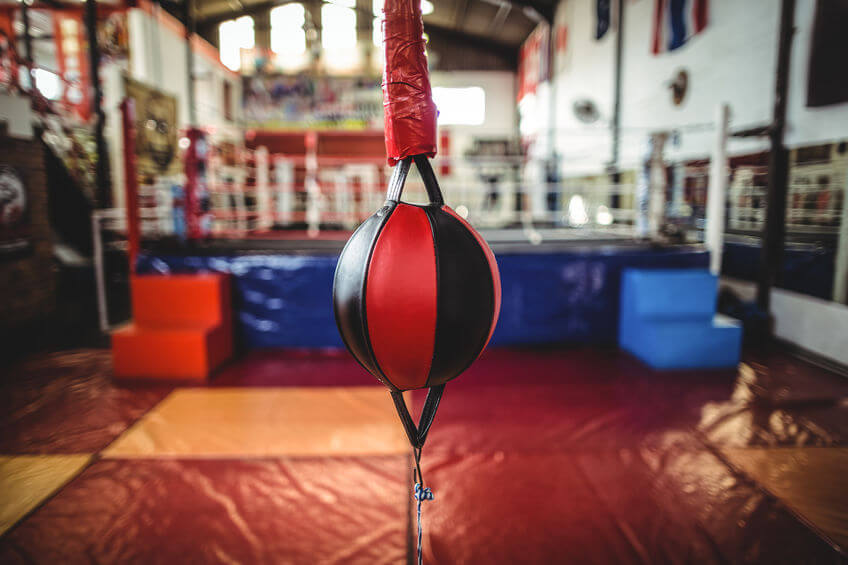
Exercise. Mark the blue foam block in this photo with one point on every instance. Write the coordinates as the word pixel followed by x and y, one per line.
pixel 686 345
pixel 669 294
pixel 668 321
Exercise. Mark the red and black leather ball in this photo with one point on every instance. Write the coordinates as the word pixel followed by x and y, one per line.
pixel 416 295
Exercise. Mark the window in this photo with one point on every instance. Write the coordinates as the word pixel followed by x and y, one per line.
pixel 338 27
pixel 48 84
pixel 233 36
pixel 460 106
pixel 338 36
pixel 287 34
pixel 377 23
pixel 377 31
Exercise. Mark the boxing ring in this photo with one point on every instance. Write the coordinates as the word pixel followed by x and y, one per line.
pixel 275 213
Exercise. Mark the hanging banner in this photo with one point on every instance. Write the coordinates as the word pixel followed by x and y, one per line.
pixel 8 57
pixel 533 60
pixel 603 17
pixel 827 82
pixel 301 101
pixel 71 58
pixel 113 37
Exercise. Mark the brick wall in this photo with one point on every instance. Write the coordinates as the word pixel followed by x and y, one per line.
pixel 27 282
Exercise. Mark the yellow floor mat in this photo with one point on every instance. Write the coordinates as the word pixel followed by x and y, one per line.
pixel 263 422
pixel 26 480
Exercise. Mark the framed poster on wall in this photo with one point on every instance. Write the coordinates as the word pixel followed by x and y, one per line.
pixel 155 129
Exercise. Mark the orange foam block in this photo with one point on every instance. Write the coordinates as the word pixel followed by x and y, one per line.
pixel 181 329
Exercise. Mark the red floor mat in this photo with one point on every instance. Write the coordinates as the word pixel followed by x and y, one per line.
pixel 688 506
pixel 515 400
pixel 606 507
pixel 294 368
pixel 580 455
pixel 66 402
pixel 272 511
pixel 552 418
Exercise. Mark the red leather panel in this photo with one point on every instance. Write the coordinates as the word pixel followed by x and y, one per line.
pixel 493 265
pixel 400 298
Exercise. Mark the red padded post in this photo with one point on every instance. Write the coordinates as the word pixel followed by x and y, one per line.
pixel 410 114
pixel 130 182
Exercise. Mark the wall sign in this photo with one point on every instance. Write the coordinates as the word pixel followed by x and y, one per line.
pixel 15 228
pixel 679 86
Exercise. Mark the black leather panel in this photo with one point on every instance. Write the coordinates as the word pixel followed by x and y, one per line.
pixel 466 297
pixel 349 290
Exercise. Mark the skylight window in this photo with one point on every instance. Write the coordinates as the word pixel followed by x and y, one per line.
pixel 287 34
pixel 338 27
pixel 233 36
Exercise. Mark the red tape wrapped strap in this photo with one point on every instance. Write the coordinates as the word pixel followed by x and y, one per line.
pixel 407 98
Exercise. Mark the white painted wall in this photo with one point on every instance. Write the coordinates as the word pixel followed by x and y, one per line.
pixel 16 114
pixel 463 185
pixel 585 70
pixel 814 324
pixel 501 119
pixel 809 125
pixel 732 61
pixel 158 58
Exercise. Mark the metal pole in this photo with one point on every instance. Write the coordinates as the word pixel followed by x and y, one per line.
pixel 104 192
pixel 717 191
pixel 840 279
pixel 27 34
pixel 616 107
pixel 650 189
pixel 657 186
pixel 189 33
pixel 27 43
pixel 99 278
pixel 774 230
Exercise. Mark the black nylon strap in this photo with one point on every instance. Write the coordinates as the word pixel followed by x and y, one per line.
pixel 398 179
pixel 429 178
pixel 431 185
pixel 418 435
